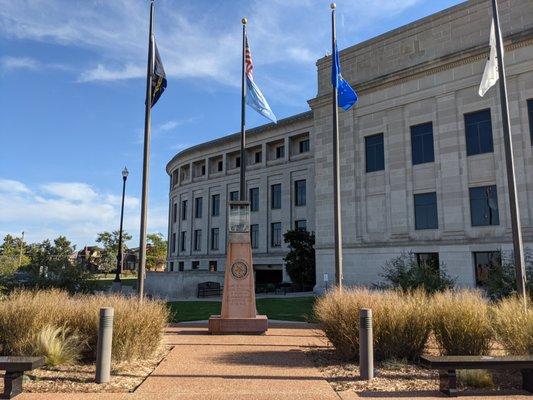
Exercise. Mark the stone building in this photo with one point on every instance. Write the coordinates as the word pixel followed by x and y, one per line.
pixel 422 156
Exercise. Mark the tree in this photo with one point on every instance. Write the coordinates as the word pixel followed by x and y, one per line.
pixel 156 251
pixel 300 261
pixel 12 255
pixel 109 242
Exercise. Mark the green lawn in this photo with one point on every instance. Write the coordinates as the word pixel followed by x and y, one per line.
pixel 288 309
pixel 101 282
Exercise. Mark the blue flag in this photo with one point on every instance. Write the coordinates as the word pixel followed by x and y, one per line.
pixel 255 98
pixel 346 95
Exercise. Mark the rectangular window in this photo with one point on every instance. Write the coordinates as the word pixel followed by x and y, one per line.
pixel 530 114
pixel 300 224
pixel 173 243
pixel 214 238
pixel 275 196
pixel 478 130
pixel 484 206
pixel 300 193
pixel 280 152
pixel 203 170
pixel 215 205
pixel 181 266
pixel 275 234
pixel 254 236
pixel 375 153
pixel 426 211
pixel 428 259
pixel 237 162
pixel 171 266
pixel 484 261
pixel 198 207
pixel 197 239
pixel 422 143
pixel 304 146
pixel 254 199
pixel 174 212
pixel 234 196
pixel 195 265
pixel 213 266
pixel 258 156
pixel 220 166
pixel 183 241
pixel 184 210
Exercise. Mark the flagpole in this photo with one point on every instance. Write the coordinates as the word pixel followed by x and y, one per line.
pixel 146 158
pixel 242 186
pixel 518 247
pixel 336 165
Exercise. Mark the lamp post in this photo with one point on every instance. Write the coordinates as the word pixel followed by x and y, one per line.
pixel 117 283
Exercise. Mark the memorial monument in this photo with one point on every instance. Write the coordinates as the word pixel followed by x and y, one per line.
pixel 239 313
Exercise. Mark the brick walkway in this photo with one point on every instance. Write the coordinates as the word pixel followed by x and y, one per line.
pixel 267 367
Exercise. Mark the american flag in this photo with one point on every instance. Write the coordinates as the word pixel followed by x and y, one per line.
pixel 249 65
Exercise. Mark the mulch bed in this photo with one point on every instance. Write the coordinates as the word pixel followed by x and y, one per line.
pixel 125 377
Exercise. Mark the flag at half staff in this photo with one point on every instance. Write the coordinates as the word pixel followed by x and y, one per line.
pixel 490 74
pixel 347 96
pixel 159 78
pixel 255 98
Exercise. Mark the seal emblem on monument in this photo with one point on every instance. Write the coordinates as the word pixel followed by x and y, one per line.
pixel 239 269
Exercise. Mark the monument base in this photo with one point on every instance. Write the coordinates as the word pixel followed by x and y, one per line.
pixel 246 326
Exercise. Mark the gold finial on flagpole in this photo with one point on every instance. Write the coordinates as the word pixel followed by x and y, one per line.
pixel 244 21
pixel 333 6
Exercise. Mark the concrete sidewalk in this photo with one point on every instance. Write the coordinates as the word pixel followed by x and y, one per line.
pixel 237 367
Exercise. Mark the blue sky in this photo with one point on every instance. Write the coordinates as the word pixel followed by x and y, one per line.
pixel 72 102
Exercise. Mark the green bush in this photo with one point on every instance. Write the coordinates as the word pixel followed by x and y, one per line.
pixel 406 274
pixel 501 279
pixel 513 326
pixel 461 322
pixel 137 330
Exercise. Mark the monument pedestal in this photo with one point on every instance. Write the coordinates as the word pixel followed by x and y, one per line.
pixel 238 314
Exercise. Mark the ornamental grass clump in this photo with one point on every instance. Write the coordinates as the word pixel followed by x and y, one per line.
pixel 58 346
pixel 461 322
pixel 513 326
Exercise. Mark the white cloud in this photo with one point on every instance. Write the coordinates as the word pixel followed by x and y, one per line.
pixel 9 62
pixel 102 73
pixel 74 209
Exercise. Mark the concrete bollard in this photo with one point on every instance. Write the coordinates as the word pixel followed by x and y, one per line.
pixel 103 348
pixel 366 346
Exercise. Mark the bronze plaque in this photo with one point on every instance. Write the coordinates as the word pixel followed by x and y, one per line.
pixel 239 269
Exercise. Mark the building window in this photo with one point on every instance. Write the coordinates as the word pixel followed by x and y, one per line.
pixel 300 193
pixel 300 224
pixel 237 162
pixel 254 199
pixel 220 166
pixel 183 241
pixel 422 143
pixel 234 196
pixel 171 267
pixel 275 234
pixel 484 206
pixel 173 242
pixel 215 205
pixel 304 146
pixel 198 207
pixel 530 114
pixel 478 129
pixel 428 260
pixel 184 210
pixel 214 238
pixel 181 266
pixel 258 155
pixel 197 239
pixel 426 211
pixel 213 266
pixel 174 212
pixel 203 169
pixel 375 153
pixel 275 194
pixel 484 261
pixel 254 236
pixel 280 152
pixel 195 265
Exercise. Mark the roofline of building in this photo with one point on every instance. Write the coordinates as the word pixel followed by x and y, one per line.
pixel 229 138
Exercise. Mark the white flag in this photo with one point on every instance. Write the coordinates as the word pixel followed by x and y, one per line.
pixel 490 74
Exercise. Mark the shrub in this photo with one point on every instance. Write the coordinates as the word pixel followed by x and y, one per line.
pixel 461 322
pixel 137 329
pixel 300 260
pixel 406 273
pixel 475 378
pixel 401 321
pixel 501 278
pixel 58 346
pixel 513 327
